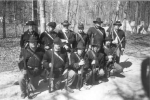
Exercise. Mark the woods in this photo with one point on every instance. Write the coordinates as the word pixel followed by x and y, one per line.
pixel 14 14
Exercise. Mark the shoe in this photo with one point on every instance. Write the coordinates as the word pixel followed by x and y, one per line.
pixel 69 89
pixel 23 95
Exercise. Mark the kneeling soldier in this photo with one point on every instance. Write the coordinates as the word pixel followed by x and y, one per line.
pixel 95 61
pixel 60 65
pixel 31 65
pixel 78 64
pixel 110 57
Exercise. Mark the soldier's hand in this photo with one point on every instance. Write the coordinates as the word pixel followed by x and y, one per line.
pixel 110 57
pixel 50 65
pixel 93 62
pixel 82 62
pixel 47 47
pixel 66 47
pixel 122 49
pixel 36 70
pixel 114 42
pixel 24 72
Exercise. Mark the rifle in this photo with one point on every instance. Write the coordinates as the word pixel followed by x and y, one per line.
pixel 51 78
pixel 93 76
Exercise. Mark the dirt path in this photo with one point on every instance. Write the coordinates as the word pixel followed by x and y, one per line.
pixel 124 87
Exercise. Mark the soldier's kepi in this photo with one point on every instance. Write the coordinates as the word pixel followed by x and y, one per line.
pixel 48 36
pixel 32 56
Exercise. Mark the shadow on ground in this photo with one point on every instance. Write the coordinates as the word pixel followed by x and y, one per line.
pixel 127 92
pixel 126 64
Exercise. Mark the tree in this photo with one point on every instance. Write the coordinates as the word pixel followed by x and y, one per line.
pixel 4 15
pixel 68 10
pixel 34 13
pixel 42 15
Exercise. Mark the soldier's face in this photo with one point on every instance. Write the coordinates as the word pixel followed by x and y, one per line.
pixel 98 25
pixel 31 28
pixel 49 29
pixel 56 47
pixel 33 44
pixel 80 30
pixel 66 27
pixel 116 27
pixel 107 43
pixel 96 49
pixel 80 51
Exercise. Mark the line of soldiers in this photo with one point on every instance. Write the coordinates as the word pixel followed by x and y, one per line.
pixel 78 59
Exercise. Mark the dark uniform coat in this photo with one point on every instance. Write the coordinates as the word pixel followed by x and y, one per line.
pixel 25 37
pixel 75 59
pixel 98 38
pixel 32 61
pixel 60 64
pixel 99 57
pixel 71 37
pixel 46 40
pixel 84 40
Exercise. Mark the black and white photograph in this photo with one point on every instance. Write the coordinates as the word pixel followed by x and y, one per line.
pixel 74 50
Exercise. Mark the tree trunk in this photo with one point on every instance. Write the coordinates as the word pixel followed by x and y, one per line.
pixel 136 13
pixel 15 21
pixel 42 15
pixel 4 15
pixel 52 9
pixel 67 10
pixel 34 14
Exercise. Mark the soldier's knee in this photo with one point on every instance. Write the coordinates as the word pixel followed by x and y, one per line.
pixel 21 78
pixel 72 73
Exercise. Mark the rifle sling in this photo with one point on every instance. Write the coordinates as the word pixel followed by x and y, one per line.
pixel 33 54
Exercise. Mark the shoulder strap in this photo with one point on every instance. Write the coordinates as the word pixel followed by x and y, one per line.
pixel 93 54
pixel 81 37
pixel 118 38
pixel 33 54
pixel 99 31
pixel 59 56
pixel 77 56
pixel 49 35
pixel 65 34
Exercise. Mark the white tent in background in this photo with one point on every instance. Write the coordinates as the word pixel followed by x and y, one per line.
pixel 126 26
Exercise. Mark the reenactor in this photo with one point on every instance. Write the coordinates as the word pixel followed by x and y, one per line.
pixel 82 37
pixel 61 68
pixel 48 36
pixel 30 65
pixel 96 33
pixel 26 35
pixel 67 36
pixel 110 58
pixel 78 64
pixel 118 37
pixel 96 62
